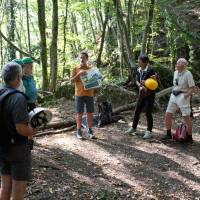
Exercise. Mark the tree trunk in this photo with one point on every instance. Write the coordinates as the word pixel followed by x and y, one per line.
pixel 43 46
pixel 11 29
pixel 64 35
pixel 131 105
pixel 103 33
pixel 129 18
pixel 91 24
pixel 1 49
pixel 98 14
pixel 147 29
pixel 123 33
pixel 28 28
pixel 53 50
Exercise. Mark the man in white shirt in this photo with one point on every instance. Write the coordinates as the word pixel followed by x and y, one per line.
pixel 183 89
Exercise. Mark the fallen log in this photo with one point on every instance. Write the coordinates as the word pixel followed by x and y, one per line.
pixel 64 124
pixel 132 105
pixel 58 125
pixel 53 132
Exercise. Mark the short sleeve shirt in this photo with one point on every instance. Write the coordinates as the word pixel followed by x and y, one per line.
pixel 183 81
pixel 79 89
pixel 15 109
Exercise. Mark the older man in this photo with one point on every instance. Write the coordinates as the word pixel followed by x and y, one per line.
pixel 183 89
pixel 15 154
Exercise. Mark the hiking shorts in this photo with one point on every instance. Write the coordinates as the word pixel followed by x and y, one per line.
pixel 82 102
pixel 16 162
pixel 179 102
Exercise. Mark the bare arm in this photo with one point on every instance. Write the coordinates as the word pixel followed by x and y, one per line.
pixel 190 91
pixel 25 130
pixel 75 76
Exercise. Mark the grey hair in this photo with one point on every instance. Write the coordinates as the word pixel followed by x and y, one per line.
pixel 10 72
pixel 183 61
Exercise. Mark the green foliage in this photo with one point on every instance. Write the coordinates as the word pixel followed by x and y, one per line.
pixel 65 90
pixel 168 39
pixel 165 75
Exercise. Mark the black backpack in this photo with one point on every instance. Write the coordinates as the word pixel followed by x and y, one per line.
pixel 104 113
pixel 5 137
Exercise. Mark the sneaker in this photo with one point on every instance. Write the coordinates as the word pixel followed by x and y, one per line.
pixel 131 131
pixel 167 137
pixel 147 135
pixel 90 133
pixel 79 134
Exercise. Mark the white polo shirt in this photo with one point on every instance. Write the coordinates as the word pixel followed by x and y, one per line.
pixel 183 81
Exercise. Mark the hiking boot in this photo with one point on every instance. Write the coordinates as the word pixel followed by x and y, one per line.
pixel 147 135
pixel 79 134
pixel 131 131
pixel 90 133
pixel 167 137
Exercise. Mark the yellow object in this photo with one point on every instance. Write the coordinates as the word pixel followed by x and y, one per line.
pixel 151 84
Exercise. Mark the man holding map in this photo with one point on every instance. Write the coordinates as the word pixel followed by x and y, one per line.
pixel 84 92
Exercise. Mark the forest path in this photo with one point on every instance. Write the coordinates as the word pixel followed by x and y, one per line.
pixel 116 165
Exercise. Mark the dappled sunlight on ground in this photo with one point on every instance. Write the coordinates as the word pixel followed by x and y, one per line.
pixel 128 165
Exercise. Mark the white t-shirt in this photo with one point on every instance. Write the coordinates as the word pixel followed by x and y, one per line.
pixel 183 81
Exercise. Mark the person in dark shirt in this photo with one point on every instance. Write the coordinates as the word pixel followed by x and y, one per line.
pixel 15 155
pixel 146 97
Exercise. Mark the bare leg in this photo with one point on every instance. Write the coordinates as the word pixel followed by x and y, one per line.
pixel 6 187
pixel 18 190
pixel 89 120
pixel 79 120
pixel 168 120
pixel 188 122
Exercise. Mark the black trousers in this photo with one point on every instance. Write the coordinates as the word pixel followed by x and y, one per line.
pixel 146 104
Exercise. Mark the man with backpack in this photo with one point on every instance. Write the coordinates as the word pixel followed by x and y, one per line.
pixel 183 89
pixel 15 154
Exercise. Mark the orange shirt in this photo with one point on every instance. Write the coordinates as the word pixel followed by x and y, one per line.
pixel 79 89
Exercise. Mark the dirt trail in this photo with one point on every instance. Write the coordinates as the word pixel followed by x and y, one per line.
pixel 116 165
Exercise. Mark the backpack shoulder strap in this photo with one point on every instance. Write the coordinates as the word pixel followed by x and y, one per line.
pixel 5 92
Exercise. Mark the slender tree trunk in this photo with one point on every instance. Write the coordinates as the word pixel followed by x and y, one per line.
pixel 91 24
pixel 28 28
pixel 129 18
pixel 73 43
pixel 43 46
pixel 53 50
pixel 147 28
pixel 103 33
pixel 98 14
pixel 1 49
pixel 64 34
pixel 11 29
pixel 123 33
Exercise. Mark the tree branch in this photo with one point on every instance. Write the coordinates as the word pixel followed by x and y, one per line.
pixel 18 49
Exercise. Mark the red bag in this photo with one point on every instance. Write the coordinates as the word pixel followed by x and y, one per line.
pixel 181 134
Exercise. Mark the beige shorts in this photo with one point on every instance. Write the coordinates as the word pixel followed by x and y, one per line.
pixel 179 102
